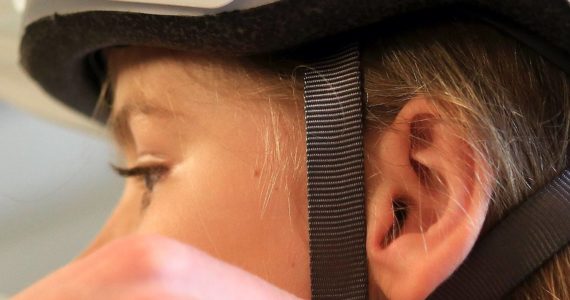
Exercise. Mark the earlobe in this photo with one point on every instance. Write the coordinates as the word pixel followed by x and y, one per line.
pixel 426 204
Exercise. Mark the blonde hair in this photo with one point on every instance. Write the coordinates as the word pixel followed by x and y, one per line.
pixel 511 105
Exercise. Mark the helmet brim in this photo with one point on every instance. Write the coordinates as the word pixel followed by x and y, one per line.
pixel 58 50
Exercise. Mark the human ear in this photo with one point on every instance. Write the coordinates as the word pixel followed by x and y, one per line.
pixel 428 194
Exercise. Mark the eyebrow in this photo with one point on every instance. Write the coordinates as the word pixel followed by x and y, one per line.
pixel 119 123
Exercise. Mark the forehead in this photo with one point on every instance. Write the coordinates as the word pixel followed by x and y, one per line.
pixel 163 82
pixel 147 80
pixel 151 82
pixel 145 75
pixel 139 74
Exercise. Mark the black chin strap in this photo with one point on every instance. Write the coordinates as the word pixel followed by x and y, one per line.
pixel 520 244
pixel 337 225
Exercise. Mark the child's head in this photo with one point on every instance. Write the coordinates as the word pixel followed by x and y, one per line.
pixel 462 123
pixel 456 133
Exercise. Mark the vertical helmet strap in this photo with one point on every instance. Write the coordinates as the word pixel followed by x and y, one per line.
pixel 337 225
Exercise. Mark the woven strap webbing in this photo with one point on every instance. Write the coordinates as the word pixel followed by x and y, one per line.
pixel 337 226
pixel 516 247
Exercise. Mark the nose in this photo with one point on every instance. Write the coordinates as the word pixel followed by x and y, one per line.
pixel 123 221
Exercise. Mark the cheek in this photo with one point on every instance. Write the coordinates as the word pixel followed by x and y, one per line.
pixel 227 194
pixel 207 201
pixel 234 199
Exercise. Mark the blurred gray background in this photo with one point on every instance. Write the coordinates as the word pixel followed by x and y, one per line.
pixel 56 186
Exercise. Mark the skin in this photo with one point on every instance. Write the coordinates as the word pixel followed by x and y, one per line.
pixel 210 131
pixel 222 201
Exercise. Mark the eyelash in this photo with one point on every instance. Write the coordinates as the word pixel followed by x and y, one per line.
pixel 151 175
